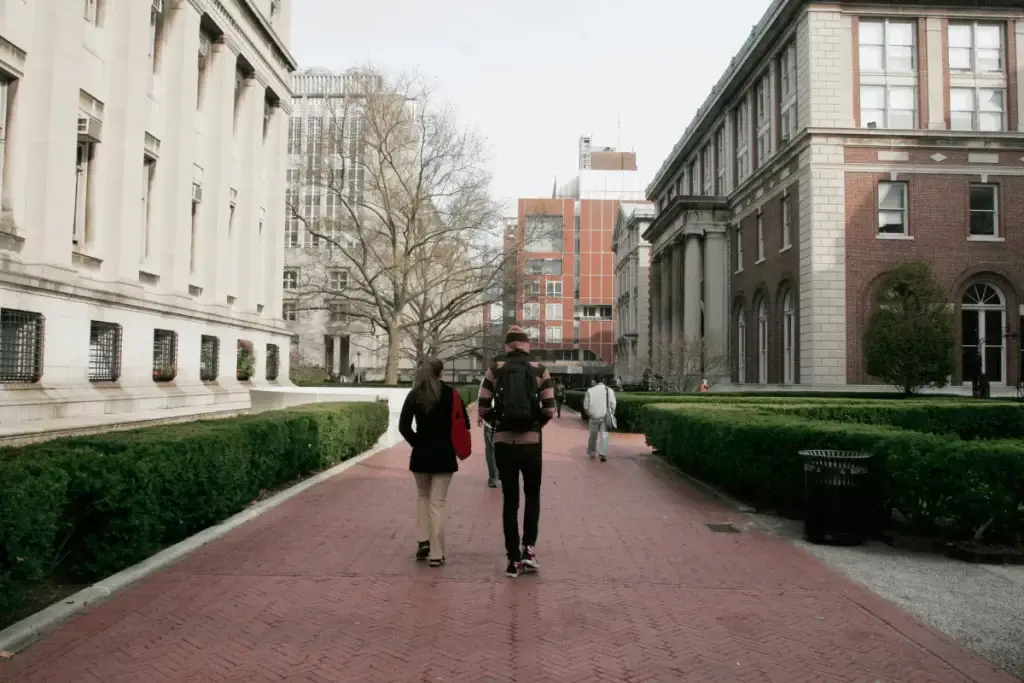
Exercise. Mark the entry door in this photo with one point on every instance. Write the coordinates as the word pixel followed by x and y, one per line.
pixel 983 335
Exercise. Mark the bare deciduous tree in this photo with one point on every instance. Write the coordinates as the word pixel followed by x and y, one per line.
pixel 396 196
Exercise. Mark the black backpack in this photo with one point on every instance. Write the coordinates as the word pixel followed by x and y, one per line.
pixel 516 398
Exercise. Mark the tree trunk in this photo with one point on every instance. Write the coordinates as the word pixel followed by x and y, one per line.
pixel 394 357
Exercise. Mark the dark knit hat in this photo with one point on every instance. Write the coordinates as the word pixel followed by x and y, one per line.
pixel 516 334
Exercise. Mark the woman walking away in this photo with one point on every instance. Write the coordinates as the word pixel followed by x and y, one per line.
pixel 434 459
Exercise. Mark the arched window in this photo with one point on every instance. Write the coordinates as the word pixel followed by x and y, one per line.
pixel 762 343
pixel 983 321
pixel 788 339
pixel 741 346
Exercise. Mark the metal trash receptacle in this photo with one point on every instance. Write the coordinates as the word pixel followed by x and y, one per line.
pixel 838 504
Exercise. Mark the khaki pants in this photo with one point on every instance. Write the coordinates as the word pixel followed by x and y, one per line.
pixel 432 497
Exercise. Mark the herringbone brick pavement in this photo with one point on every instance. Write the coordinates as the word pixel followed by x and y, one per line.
pixel 633 588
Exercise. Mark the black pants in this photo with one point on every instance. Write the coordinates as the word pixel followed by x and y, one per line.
pixel 514 459
pixel 558 406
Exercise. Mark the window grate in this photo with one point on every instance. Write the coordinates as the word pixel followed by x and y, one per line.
pixel 273 361
pixel 165 355
pixel 21 346
pixel 209 358
pixel 104 351
pixel 245 364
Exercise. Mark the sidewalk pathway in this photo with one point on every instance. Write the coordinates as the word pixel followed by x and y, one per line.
pixel 633 587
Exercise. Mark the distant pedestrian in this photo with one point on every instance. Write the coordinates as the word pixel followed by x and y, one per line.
pixel 517 397
pixel 493 477
pixel 559 397
pixel 599 405
pixel 434 406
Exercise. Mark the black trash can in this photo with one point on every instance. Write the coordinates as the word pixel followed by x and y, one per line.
pixel 838 497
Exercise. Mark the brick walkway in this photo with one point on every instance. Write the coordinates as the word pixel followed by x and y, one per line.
pixel 633 588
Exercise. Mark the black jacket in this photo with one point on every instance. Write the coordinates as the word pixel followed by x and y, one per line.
pixel 432 450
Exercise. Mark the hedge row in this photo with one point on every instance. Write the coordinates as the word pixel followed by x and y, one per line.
pixel 469 393
pixel 82 508
pixel 936 480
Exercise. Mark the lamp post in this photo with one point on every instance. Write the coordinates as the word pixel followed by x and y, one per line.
pixel 359 363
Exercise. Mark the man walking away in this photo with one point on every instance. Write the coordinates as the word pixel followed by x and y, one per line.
pixel 599 405
pixel 517 397
pixel 559 397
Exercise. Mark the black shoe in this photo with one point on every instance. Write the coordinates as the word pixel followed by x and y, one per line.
pixel 512 570
pixel 422 551
pixel 529 562
pixel 604 458
pixel 436 562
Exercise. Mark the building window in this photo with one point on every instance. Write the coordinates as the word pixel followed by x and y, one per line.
pixel 706 175
pixel 741 347
pixel 245 361
pixel 544 232
pixel 92 12
pixel 984 211
pixel 289 311
pixel 787 93
pixel 165 355
pixel 338 312
pixel 156 26
pixel 209 358
pixel 531 288
pixel 295 135
pixel 887 46
pixel 148 170
pixel 788 339
pixel 742 128
pixel 982 317
pixel 594 312
pixel 739 248
pixel 240 78
pixel 553 334
pixel 532 333
pixel 764 120
pixel 205 61
pixel 291 278
pixel 976 48
pixel 337 280
pixel 787 229
pixel 104 351
pixel 721 163
pixel 982 109
pixel 193 256
pixel 892 209
pixel 760 237
pixel 892 107
pixel 553 287
pixel 531 311
pixel 762 343
pixel 553 312
pixel 546 266
pixel 21 346
pixel 81 230
pixel 273 362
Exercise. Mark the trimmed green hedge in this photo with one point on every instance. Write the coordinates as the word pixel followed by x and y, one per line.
pixel 469 393
pixel 925 471
pixel 85 507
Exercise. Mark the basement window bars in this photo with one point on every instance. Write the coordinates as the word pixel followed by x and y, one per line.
pixel 104 351
pixel 209 358
pixel 273 361
pixel 245 365
pixel 165 355
pixel 21 346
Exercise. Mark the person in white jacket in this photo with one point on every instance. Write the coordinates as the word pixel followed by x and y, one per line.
pixel 599 405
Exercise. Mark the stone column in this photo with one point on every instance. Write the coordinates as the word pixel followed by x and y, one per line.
pixel 716 313
pixel 936 81
pixel 654 313
pixel 691 306
pixel 677 306
pixel 667 296
pixel 1020 84
pixel 337 369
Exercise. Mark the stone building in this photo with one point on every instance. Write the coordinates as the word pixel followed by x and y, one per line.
pixel 632 265
pixel 142 153
pixel 844 139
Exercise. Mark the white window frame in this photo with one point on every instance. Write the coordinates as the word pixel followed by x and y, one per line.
pixel 148 170
pixel 721 163
pixel 532 333
pixel 887 47
pixel 888 110
pixel 888 82
pixel 337 279
pixel 553 334
pixel 553 311
pixel 787 93
pixel 739 248
pixel 905 210
pixel 788 338
pixel 741 347
pixel 706 156
pixel 787 220
pixel 982 310
pixel 5 85
pixel 762 343
pixel 553 288
pixel 760 238
pixel 85 153
pixel 996 233
pixel 290 279
pixel 973 49
pixel 979 119
pixel 531 311
pixel 289 311
pixel 742 114
pixel 763 98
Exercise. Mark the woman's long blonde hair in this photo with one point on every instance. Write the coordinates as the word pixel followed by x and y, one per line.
pixel 427 385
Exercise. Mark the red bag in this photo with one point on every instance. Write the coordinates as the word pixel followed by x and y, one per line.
pixel 462 439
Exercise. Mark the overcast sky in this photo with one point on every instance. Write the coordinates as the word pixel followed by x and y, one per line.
pixel 533 75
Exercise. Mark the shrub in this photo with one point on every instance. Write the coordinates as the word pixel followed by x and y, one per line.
pixel 469 393
pixel 910 341
pixel 935 480
pixel 86 507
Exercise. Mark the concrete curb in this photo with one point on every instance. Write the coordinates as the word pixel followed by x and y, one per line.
pixel 20 635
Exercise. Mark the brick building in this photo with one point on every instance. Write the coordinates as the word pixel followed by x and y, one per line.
pixel 845 139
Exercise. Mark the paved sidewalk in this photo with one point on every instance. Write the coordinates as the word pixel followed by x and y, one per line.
pixel 634 587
